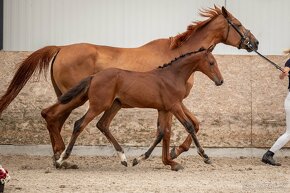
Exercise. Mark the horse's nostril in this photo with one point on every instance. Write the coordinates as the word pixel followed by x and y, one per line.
pixel 222 81
pixel 257 42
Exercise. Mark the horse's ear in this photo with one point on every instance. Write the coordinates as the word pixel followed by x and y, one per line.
pixel 210 49
pixel 224 12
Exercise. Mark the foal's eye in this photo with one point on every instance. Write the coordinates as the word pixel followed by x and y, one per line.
pixel 211 63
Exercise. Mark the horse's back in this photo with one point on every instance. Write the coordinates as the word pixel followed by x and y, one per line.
pixel 75 62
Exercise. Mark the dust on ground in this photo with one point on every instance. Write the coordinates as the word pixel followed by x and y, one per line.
pixel 106 174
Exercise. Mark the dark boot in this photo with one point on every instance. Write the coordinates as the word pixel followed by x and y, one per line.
pixel 268 159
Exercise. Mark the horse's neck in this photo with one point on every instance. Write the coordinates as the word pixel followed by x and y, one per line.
pixel 204 37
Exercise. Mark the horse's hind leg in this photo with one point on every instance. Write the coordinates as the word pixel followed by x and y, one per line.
pixel 159 137
pixel 55 117
pixel 103 125
pixel 185 121
pixel 78 128
pixel 54 125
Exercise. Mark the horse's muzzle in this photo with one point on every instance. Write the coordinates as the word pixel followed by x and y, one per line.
pixel 252 45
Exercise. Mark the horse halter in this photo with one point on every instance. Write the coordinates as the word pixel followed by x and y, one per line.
pixel 244 36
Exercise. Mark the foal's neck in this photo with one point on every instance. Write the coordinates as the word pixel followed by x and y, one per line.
pixel 182 68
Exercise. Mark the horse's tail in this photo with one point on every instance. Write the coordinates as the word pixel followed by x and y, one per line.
pixel 80 90
pixel 37 60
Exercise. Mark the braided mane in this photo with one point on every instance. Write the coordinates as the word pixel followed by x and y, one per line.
pixel 179 39
pixel 179 57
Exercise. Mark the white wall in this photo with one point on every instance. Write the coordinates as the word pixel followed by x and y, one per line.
pixel 31 24
pixel 268 20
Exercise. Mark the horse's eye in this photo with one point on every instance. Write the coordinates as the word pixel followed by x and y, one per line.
pixel 211 63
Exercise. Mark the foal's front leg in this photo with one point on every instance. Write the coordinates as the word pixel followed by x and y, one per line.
pixel 165 121
pixel 176 151
pixel 185 121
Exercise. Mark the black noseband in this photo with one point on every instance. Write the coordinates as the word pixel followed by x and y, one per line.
pixel 244 37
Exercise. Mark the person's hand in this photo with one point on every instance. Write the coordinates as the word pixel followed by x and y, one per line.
pixel 284 73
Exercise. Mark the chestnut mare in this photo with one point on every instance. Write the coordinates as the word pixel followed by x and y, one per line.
pixel 72 63
pixel 162 89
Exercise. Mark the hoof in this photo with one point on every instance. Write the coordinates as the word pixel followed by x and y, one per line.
pixel 135 162
pixel 207 161
pixel 173 153
pixel 124 163
pixel 57 165
pixel 66 165
pixel 177 167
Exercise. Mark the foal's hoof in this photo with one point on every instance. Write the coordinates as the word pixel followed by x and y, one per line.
pixel 135 162
pixel 177 167
pixel 124 163
pixel 173 154
pixel 207 161
pixel 66 165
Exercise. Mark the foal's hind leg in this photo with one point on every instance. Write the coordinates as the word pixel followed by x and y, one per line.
pixel 103 125
pixel 185 121
pixel 159 137
pixel 78 128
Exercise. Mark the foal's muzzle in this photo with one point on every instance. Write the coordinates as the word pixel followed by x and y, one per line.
pixel 219 82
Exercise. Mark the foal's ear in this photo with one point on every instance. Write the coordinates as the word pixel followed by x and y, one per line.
pixel 224 12
pixel 210 49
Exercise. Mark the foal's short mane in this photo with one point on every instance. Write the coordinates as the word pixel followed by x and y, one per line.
pixel 181 56
pixel 179 39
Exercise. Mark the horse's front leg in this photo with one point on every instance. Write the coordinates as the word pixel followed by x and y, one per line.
pixel 176 151
pixel 185 121
pixel 158 138
pixel 103 125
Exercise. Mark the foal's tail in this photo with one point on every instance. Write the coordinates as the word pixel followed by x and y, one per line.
pixel 38 60
pixel 80 90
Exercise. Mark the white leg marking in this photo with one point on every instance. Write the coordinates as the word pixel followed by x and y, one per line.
pixel 122 156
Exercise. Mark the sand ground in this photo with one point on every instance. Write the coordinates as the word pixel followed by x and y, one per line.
pixel 106 174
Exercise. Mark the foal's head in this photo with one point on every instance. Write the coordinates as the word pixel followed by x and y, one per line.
pixel 209 67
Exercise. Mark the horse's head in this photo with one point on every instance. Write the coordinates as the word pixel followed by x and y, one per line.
pixel 209 67
pixel 236 34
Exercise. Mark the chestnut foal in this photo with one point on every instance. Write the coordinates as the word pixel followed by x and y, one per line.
pixel 162 89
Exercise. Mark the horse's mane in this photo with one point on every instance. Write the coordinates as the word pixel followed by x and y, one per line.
pixel 179 57
pixel 210 13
